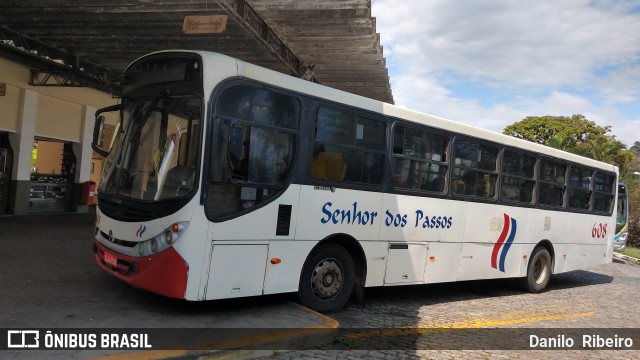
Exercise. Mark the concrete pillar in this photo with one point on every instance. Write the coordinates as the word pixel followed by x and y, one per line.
pixel 84 153
pixel 22 144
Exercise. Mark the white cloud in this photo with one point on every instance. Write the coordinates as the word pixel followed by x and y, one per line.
pixel 622 86
pixel 544 57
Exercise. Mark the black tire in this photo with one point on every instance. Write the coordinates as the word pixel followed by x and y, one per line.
pixel 327 279
pixel 538 271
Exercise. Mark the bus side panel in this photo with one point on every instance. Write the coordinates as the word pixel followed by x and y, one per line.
pixel 559 260
pixel 260 224
pixel 553 226
pixel 476 262
pixel 197 250
pixel 596 255
pixel 591 230
pixel 242 243
pixel 405 263
pixel 586 231
pixel 236 271
pixel 285 276
pixel 342 211
pixel 421 219
pixel 578 241
pixel 492 243
pixel 610 237
pixel 443 260
pixel 576 257
pixel 581 229
pixel 412 226
pixel 375 253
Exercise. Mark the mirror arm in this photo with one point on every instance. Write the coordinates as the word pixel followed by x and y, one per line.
pixel 98 128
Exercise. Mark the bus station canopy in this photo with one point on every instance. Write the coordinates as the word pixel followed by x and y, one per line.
pixel 90 42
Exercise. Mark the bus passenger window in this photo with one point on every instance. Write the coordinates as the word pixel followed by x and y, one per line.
pixel 348 148
pixel 552 183
pixel 419 159
pixel 604 189
pixel 518 179
pixel 580 188
pixel 335 168
pixel 254 149
pixel 475 169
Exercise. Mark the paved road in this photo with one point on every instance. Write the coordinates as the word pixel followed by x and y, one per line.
pixel 607 296
pixel 48 279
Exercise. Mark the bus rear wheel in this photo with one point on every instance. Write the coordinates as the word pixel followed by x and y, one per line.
pixel 538 271
pixel 327 279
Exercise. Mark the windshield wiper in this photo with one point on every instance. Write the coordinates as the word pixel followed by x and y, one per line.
pixel 135 126
pixel 146 115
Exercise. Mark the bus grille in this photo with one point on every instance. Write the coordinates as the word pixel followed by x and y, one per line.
pixel 130 211
pixel 123 266
pixel 120 242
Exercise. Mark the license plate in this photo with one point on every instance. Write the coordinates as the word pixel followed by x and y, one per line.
pixel 110 259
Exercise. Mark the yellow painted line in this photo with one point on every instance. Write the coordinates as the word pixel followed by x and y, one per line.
pixel 327 325
pixel 468 324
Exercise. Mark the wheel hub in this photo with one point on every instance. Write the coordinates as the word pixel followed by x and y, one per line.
pixel 540 270
pixel 327 278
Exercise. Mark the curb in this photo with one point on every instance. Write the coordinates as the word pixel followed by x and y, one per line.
pixel 248 347
pixel 627 259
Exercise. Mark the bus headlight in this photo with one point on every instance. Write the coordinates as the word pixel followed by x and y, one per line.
pixel 163 240
pixel 622 237
pixel 155 245
pixel 168 237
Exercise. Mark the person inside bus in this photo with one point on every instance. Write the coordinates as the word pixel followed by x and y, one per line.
pixel 470 182
pixel 436 184
pixel 372 170
pixel 414 179
pixel 318 164
pixel 526 191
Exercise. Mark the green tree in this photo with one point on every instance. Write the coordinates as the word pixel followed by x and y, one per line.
pixel 541 129
pixel 575 134
pixel 578 135
pixel 633 193
pixel 563 143
pixel 609 150
pixel 34 154
pixel 635 150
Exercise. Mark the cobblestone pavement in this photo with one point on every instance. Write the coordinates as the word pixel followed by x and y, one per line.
pixel 605 297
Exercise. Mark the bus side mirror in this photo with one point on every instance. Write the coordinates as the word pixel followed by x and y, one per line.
pixel 103 134
pixel 98 143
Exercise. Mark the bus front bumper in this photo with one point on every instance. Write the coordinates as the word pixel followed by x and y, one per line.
pixel 164 273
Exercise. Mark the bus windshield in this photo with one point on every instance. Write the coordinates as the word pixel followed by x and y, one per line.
pixel 155 158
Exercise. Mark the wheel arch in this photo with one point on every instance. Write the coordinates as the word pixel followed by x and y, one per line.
pixel 357 254
pixel 546 243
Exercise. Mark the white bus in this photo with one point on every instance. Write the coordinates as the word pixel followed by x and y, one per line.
pixel 227 180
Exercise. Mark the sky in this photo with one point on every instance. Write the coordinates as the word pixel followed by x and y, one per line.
pixel 491 63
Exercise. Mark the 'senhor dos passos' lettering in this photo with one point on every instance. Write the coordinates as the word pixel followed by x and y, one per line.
pixel 352 216
pixel 357 216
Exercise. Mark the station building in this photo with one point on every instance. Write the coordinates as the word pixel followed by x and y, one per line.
pixel 61 61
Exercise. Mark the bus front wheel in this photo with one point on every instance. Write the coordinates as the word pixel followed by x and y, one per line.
pixel 327 279
pixel 538 271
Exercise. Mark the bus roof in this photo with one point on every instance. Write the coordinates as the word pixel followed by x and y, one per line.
pixel 254 72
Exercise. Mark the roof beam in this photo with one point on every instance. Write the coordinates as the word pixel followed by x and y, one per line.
pixel 62 68
pixel 251 21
